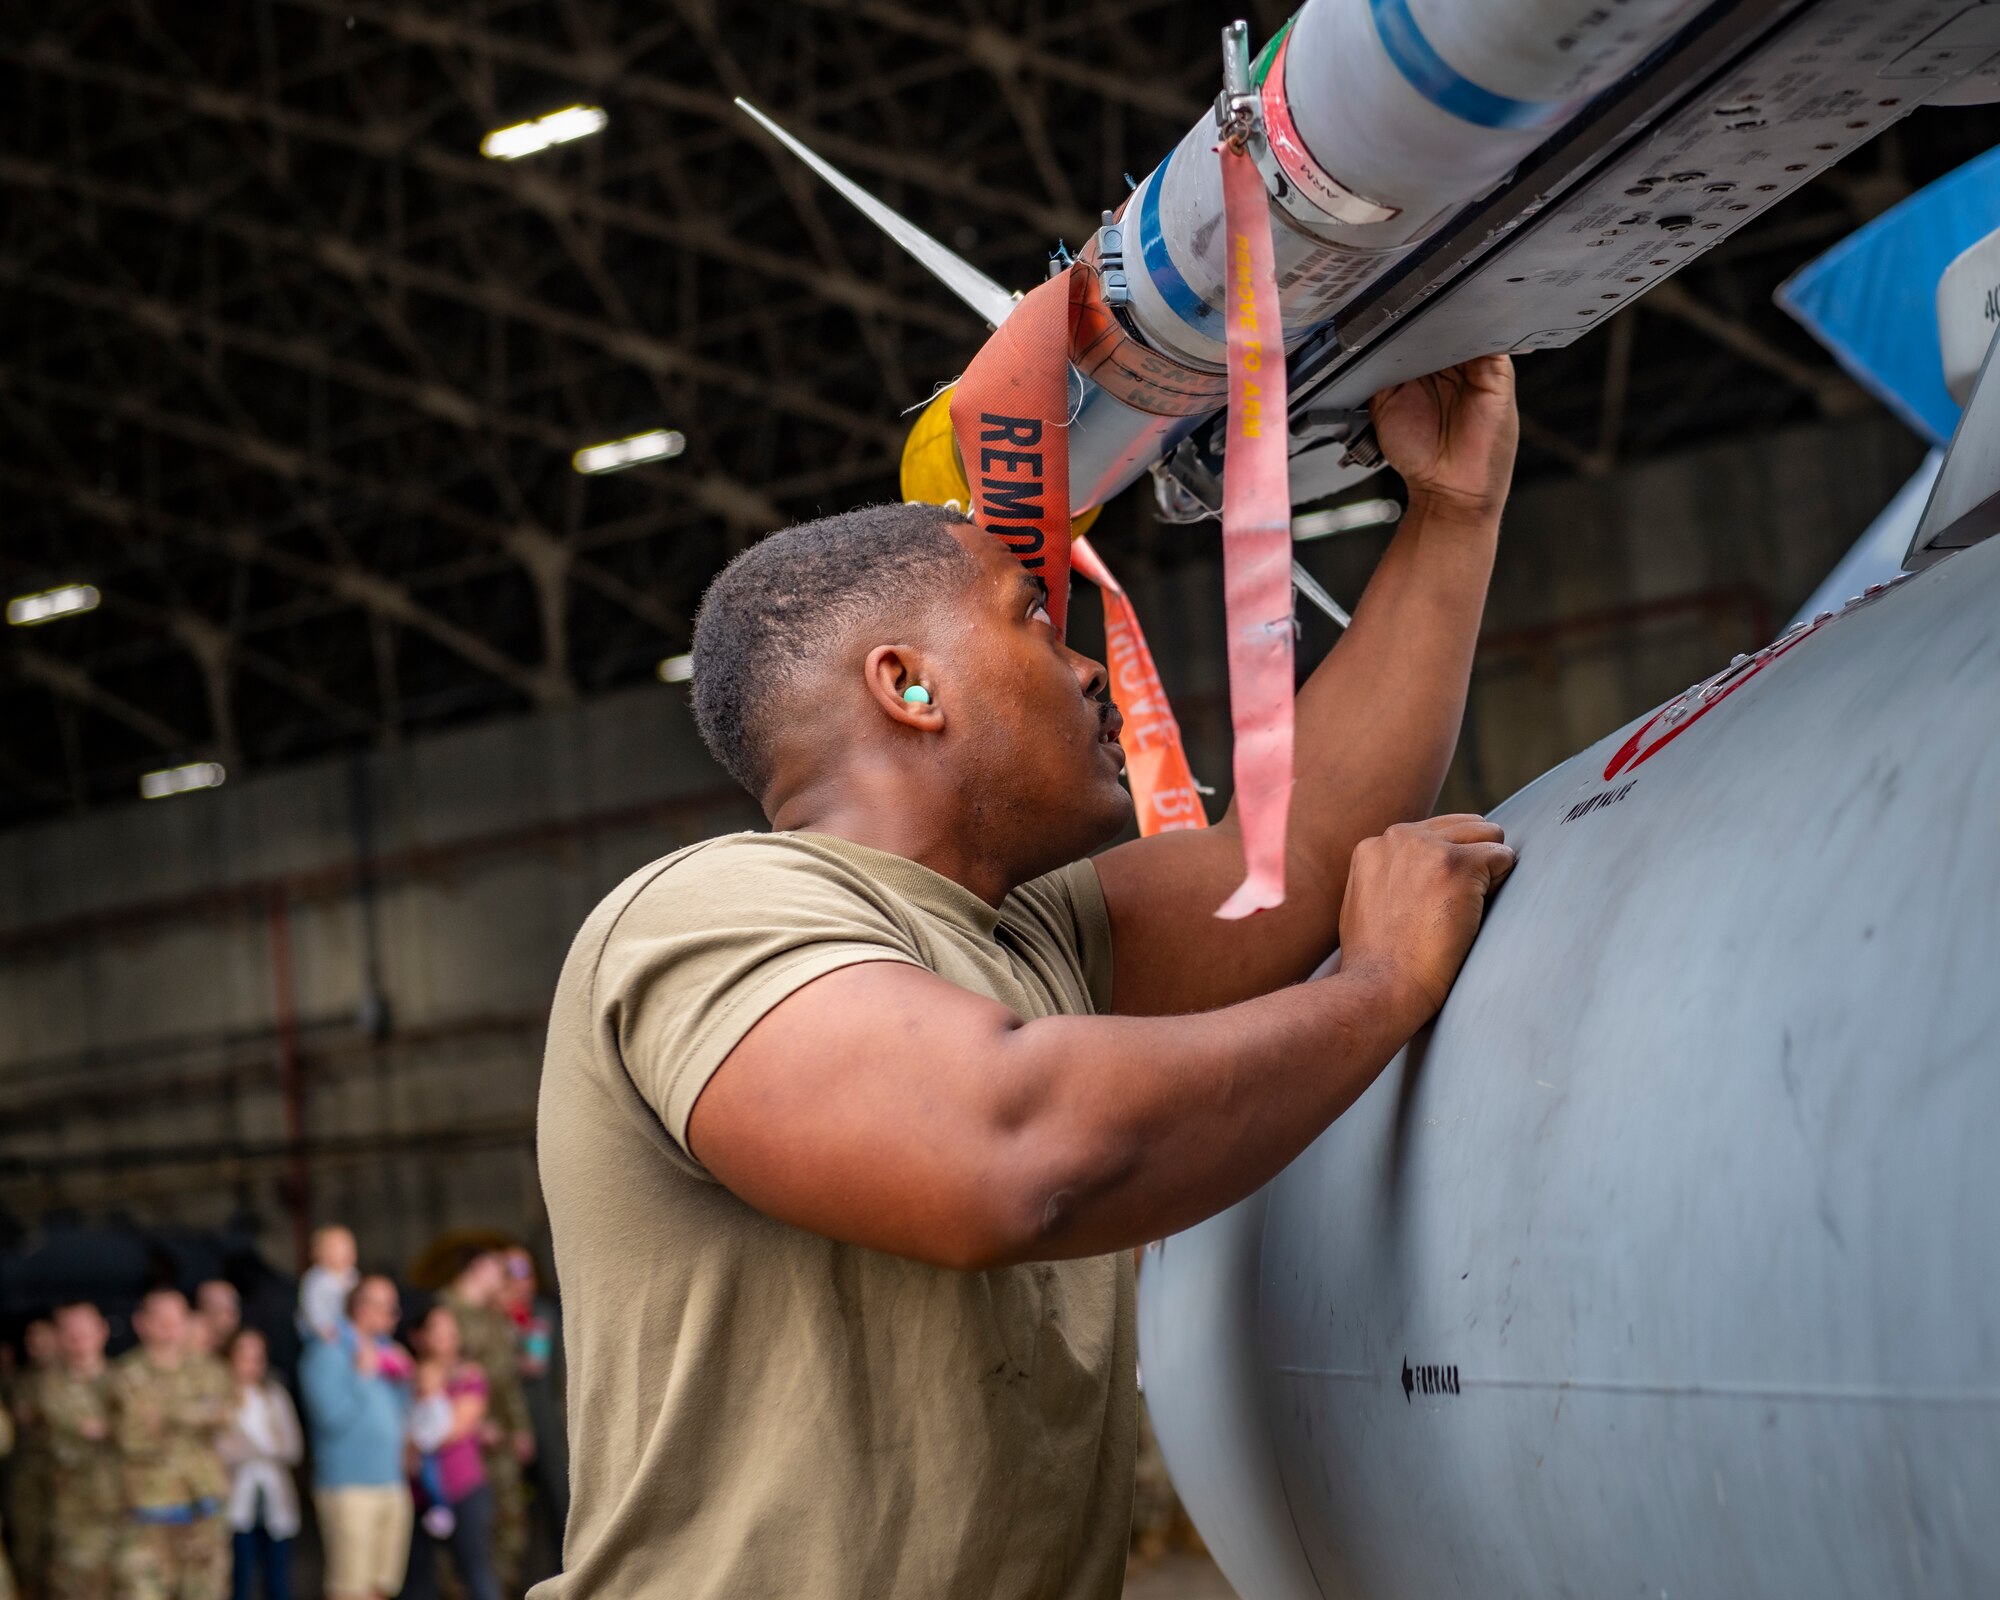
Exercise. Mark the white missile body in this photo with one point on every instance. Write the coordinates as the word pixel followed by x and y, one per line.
pixel 1382 117
pixel 1397 134
pixel 1450 178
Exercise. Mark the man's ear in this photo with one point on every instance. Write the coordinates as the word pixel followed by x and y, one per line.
pixel 893 671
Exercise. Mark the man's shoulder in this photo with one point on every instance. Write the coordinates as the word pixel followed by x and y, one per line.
pixel 735 863
pixel 731 866
pixel 682 959
pixel 739 883
pixel 1064 914
pixel 1059 894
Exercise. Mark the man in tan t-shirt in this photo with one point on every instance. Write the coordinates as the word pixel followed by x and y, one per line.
pixel 847 1128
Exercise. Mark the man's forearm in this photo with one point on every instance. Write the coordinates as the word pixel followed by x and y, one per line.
pixel 1402 669
pixel 1377 723
pixel 885 1107
pixel 1139 1127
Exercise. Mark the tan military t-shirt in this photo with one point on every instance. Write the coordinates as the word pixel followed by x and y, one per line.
pixel 757 1411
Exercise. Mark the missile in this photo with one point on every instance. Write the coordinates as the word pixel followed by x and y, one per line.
pixel 1406 138
pixel 1449 178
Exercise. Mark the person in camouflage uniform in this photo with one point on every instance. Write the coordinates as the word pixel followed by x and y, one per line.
pixel 87 1504
pixel 29 1481
pixel 205 1343
pixel 169 1403
pixel 486 1336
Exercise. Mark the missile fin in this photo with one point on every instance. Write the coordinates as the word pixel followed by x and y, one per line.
pixel 1309 586
pixel 951 269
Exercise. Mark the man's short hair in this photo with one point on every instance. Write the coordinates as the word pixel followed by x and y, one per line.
pixel 785 604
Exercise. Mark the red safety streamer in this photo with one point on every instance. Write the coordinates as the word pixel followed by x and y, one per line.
pixel 1010 416
pixel 1256 541
pixel 1164 795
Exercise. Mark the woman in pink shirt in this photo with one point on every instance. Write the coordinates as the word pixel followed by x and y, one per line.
pixel 454 1502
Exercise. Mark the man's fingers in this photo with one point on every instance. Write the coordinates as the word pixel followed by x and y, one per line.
pixel 1492 861
pixel 1494 374
pixel 1464 828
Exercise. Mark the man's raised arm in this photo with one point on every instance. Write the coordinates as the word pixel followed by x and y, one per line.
pixel 883 1106
pixel 1376 723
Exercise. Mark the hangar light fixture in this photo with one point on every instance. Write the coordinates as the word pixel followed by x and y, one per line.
pixel 528 138
pixel 70 600
pixel 677 669
pixel 180 780
pixel 656 445
pixel 1345 519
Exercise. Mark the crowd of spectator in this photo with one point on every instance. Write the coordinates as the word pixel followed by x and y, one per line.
pixel 173 1471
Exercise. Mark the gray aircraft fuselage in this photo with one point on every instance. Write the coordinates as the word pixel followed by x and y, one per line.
pixel 1667 1263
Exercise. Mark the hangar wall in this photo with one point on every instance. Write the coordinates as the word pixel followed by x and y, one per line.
pixel 372 941
pixel 318 994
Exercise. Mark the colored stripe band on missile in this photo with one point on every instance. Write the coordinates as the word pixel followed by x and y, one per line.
pixel 1310 182
pixel 1196 312
pixel 1439 82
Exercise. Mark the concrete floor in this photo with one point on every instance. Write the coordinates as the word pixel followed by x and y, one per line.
pixel 1179 1577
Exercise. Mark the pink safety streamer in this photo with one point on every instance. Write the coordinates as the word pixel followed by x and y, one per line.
pixel 1256 541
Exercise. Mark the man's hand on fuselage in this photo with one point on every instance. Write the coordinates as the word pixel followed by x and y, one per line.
pixel 883 1106
pixel 1376 723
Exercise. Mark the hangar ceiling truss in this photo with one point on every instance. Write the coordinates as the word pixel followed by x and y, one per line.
pixel 293 374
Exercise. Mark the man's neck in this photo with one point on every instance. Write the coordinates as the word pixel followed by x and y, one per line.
pixel 87 1367
pixel 889 818
pixel 165 1360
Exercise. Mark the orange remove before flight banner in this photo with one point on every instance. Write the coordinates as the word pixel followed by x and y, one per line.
pixel 1164 795
pixel 1010 415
